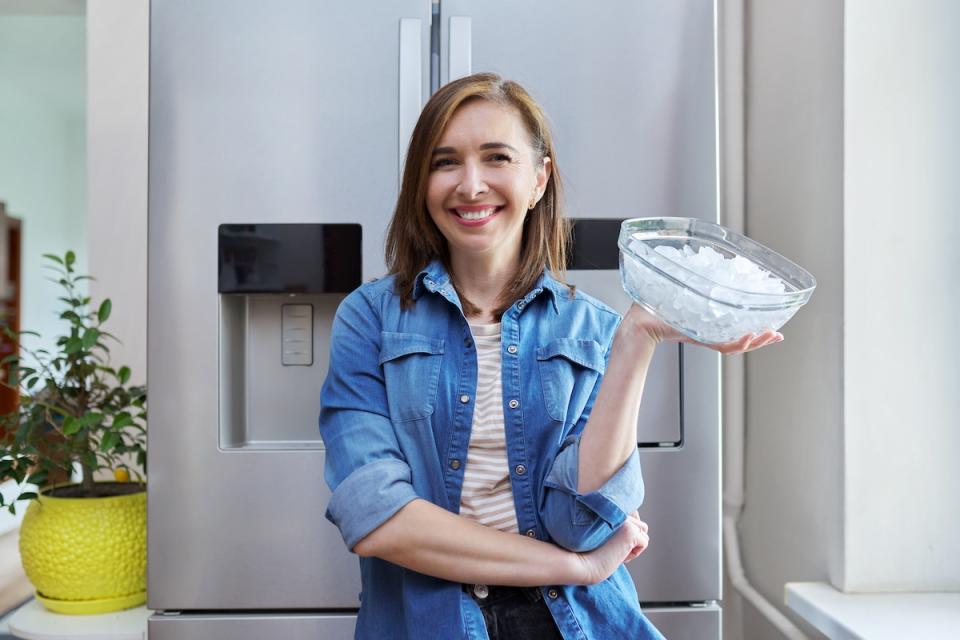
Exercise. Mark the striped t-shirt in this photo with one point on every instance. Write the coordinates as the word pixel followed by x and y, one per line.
pixel 487 495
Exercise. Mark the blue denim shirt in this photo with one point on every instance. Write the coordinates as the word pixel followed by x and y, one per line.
pixel 396 412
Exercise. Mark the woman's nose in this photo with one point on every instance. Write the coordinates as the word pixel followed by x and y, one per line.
pixel 472 181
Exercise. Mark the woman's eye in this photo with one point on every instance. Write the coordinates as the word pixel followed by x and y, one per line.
pixel 441 163
pixel 500 157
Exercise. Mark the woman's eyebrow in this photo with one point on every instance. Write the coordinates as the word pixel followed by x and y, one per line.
pixel 486 145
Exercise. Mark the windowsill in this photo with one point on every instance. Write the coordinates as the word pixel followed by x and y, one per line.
pixel 874 616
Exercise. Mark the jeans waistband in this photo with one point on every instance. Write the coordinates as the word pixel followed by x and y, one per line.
pixel 489 594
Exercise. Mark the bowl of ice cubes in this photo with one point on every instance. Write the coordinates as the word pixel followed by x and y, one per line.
pixel 708 282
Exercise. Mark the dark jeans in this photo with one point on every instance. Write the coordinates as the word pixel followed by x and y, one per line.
pixel 515 613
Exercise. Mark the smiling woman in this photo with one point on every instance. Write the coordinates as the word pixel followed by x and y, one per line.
pixel 482 169
pixel 484 179
pixel 479 414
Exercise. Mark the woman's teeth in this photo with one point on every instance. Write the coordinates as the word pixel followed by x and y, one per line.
pixel 477 215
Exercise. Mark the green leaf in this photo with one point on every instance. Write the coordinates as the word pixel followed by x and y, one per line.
pixel 70 315
pixel 122 420
pixel 72 346
pixel 109 440
pixel 55 258
pixel 71 425
pixel 104 311
pixel 70 258
pixel 29 495
pixel 123 375
pixel 38 478
pixel 90 338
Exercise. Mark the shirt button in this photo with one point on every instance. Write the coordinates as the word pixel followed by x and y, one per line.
pixel 553 593
pixel 454 464
pixel 464 398
pixel 521 305
pixel 481 591
pixel 520 469
pixel 467 342
pixel 514 404
pixel 512 348
pixel 531 533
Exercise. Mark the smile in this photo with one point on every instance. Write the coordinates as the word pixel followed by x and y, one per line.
pixel 476 213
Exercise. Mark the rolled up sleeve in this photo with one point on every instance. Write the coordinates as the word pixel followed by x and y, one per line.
pixel 581 522
pixel 365 468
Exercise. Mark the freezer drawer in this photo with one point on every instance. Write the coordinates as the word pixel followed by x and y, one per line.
pixel 676 623
pixel 686 623
pixel 303 626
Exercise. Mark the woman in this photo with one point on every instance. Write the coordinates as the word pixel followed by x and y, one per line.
pixel 464 405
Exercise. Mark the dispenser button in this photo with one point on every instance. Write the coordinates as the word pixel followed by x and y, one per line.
pixel 296 328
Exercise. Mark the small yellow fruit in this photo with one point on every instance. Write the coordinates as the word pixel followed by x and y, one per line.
pixel 121 475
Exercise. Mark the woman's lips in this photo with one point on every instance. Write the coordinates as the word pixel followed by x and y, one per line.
pixel 474 209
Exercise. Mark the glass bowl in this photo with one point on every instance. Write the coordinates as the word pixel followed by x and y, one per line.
pixel 707 308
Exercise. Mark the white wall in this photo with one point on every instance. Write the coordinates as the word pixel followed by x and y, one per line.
pixel 794 149
pixel 117 92
pixel 117 52
pixel 902 297
pixel 853 153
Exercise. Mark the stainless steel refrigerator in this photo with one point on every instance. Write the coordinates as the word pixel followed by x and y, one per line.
pixel 277 134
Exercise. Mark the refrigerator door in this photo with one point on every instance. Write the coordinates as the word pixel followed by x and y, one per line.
pixel 630 89
pixel 283 112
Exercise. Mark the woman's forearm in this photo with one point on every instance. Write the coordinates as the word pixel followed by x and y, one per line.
pixel 610 436
pixel 431 540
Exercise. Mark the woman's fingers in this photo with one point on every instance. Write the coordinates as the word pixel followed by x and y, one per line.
pixel 749 342
pixel 641 540
pixel 642 543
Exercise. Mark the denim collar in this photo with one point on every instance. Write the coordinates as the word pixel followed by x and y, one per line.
pixel 434 278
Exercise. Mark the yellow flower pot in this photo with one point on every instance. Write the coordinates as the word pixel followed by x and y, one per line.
pixel 86 555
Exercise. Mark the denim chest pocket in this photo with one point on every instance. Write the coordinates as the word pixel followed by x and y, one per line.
pixel 411 373
pixel 569 370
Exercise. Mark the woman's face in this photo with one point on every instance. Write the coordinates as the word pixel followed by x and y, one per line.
pixel 483 178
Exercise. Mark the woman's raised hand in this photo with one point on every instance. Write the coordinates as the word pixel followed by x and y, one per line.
pixel 630 540
pixel 640 321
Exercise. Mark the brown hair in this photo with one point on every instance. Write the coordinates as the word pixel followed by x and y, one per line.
pixel 413 239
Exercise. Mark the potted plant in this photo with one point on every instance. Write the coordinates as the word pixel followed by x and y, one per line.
pixel 83 546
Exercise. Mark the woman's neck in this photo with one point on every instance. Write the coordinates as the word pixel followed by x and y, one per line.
pixel 482 282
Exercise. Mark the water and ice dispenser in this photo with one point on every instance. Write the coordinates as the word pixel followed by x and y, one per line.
pixel 279 287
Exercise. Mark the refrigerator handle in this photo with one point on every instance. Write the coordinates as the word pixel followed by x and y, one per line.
pixel 411 87
pixel 460 47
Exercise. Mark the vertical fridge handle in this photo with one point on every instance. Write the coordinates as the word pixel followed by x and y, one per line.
pixel 460 47
pixel 411 88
